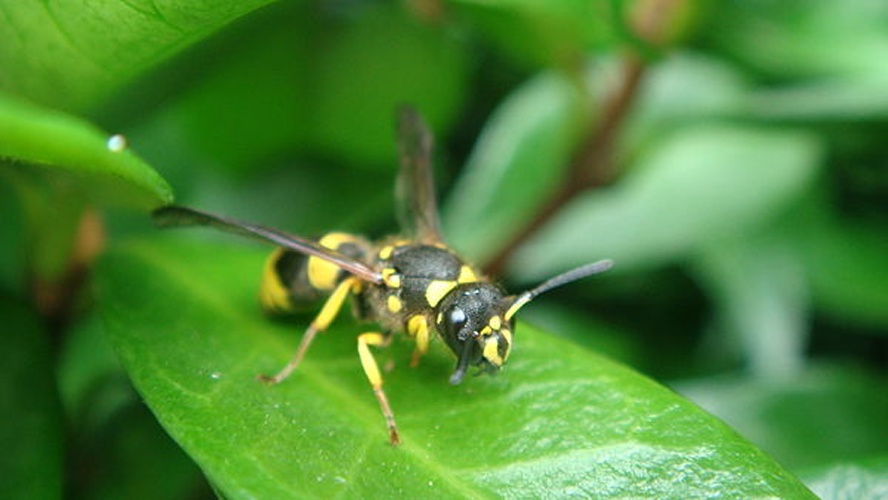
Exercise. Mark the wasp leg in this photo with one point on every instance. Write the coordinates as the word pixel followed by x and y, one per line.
pixel 418 328
pixel 321 322
pixel 372 371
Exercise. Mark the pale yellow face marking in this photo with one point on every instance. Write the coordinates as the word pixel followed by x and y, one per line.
pixel 491 352
pixel 436 291
pixel 394 304
pixel 466 275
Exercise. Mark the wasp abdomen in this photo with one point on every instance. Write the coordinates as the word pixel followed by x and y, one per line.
pixel 293 281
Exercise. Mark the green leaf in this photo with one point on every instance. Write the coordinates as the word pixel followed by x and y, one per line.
pixel 72 55
pixel 760 293
pixel 547 33
pixel 845 263
pixel 823 415
pixel 70 153
pixel 868 479
pixel 700 185
pixel 819 37
pixel 57 165
pixel 111 432
pixel 561 420
pixel 31 429
pixel 516 163
pixel 684 88
pixel 850 99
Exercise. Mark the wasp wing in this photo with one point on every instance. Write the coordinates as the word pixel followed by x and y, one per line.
pixel 416 188
pixel 176 216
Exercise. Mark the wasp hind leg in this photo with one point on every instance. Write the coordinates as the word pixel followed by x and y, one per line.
pixel 321 322
pixel 371 369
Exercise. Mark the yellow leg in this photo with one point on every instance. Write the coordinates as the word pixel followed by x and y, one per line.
pixel 418 328
pixel 372 371
pixel 321 322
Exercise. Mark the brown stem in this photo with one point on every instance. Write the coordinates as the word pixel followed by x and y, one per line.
pixel 594 163
pixel 592 166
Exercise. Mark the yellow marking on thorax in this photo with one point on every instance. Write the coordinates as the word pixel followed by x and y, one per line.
pixel 391 278
pixel 436 291
pixel 495 322
pixel 466 275
pixel 394 304
pixel 385 252
pixel 273 295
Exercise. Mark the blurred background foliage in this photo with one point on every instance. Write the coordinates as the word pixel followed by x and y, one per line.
pixel 730 156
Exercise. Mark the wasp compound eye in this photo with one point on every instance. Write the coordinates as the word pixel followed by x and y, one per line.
pixel 454 322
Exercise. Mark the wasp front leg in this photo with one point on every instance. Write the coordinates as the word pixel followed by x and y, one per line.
pixel 418 328
pixel 371 369
pixel 321 322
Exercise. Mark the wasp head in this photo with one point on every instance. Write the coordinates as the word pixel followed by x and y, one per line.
pixel 471 320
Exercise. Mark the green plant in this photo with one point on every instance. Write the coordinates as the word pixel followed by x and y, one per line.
pixel 728 156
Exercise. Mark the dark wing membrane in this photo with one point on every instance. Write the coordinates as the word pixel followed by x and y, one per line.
pixel 416 188
pixel 175 216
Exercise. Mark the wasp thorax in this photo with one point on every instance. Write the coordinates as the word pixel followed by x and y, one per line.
pixel 471 320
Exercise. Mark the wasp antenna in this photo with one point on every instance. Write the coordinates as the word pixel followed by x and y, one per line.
pixel 564 278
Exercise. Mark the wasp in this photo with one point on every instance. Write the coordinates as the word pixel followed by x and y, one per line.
pixel 412 283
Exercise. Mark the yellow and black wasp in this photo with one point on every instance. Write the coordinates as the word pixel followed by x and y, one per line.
pixel 413 284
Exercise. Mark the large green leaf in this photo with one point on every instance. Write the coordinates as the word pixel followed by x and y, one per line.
pixel 73 153
pixel 560 421
pixel 72 54
pixel 56 165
